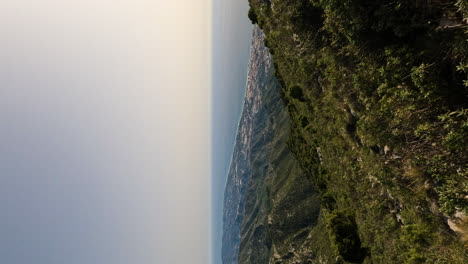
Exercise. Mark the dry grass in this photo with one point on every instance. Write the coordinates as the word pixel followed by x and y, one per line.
pixel 415 177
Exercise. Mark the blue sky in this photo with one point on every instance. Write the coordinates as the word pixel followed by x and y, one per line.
pixel 117 125
pixel 105 131
pixel 232 31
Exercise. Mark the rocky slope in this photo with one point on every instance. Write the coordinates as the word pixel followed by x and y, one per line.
pixel 239 172
pixel 270 204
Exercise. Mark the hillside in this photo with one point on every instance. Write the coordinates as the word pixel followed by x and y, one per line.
pixel 262 169
pixel 240 168
pixel 376 98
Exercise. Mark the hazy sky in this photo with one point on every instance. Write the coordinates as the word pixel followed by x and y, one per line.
pixel 232 31
pixel 105 131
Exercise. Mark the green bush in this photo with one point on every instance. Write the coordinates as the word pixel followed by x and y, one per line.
pixel 328 201
pixel 296 92
pixel 253 16
pixel 344 234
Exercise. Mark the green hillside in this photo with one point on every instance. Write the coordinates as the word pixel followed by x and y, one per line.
pixel 376 93
pixel 280 201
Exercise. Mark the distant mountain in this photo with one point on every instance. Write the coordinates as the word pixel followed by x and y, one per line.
pixel 239 172
pixel 262 165
pixel 281 202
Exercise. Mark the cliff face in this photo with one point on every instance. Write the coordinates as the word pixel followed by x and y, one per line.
pixel 239 172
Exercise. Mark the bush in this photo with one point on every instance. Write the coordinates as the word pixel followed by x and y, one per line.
pixel 253 16
pixel 297 93
pixel 328 201
pixel 343 233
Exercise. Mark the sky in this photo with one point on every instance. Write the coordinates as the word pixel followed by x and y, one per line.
pixel 232 32
pixel 105 115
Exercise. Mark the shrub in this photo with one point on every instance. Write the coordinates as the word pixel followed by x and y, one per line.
pixel 296 92
pixel 253 16
pixel 328 201
pixel 343 233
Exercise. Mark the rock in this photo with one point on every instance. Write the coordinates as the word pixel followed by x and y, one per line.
pixel 386 150
pixel 399 219
pixel 458 223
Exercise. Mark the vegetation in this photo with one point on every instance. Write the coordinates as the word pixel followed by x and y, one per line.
pixel 377 97
pixel 281 202
pixel 343 232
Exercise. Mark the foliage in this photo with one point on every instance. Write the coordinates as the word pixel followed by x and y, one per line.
pixel 253 16
pixel 377 99
pixel 296 93
pixel 343 233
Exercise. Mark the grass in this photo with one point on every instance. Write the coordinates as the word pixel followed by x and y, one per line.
pixel 381 92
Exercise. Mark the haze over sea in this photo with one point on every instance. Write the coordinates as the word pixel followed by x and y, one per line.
pixel 231 45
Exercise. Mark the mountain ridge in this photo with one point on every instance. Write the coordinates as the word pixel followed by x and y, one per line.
pixel 239 171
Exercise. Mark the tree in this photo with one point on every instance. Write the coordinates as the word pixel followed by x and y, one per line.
pixel 253 16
